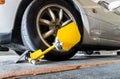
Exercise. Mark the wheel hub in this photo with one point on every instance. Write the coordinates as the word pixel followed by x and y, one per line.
pixel 50 19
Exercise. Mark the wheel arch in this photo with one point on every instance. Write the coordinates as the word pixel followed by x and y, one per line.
pixel 84 18
pixel 78 8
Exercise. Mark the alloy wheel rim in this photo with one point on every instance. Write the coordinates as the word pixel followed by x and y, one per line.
pixel 49 19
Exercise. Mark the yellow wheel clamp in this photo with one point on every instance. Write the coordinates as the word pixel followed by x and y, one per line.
pixel 67 37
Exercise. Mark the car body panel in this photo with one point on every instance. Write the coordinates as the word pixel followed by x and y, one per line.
pixel 7 15
pixel 104 29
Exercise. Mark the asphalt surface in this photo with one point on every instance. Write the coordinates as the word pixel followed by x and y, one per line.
pixel 102 72
pixel 112 71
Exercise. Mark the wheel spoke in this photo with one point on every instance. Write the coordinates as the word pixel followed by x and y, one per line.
pixel 50 19
pixel 45 21
pixel 49 33
pixel 60 15
pixel 52 15
pixel 66 22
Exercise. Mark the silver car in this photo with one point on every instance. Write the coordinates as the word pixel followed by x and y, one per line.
pixel 33 24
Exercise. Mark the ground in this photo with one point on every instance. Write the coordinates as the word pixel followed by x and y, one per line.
pixel 111 71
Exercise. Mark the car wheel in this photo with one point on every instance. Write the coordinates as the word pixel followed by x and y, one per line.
pixel 41 21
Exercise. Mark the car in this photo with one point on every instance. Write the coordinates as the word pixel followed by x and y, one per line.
pixel 34 24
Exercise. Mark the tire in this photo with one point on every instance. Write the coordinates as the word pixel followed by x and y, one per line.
pixel 35 29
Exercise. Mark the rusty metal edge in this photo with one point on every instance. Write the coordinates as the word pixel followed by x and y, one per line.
pixel 40 71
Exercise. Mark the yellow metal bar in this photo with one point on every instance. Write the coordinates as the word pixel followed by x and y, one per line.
pixel 39 54
pixel 48 50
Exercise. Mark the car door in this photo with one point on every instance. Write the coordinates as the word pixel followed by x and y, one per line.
pixel 106 22
pixel 110 26
pixel 104 25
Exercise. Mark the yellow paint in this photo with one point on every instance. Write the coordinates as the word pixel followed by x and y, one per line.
pixel 39 54
pixel 69 35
